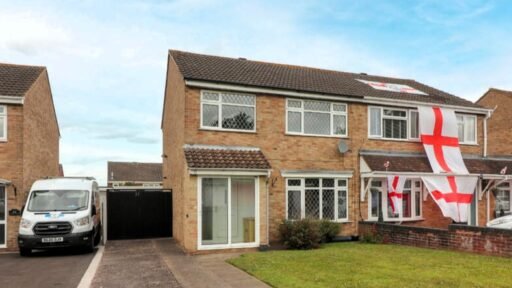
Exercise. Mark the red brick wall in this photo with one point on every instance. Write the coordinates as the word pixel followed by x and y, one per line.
pixel 479 240
pixel 32 148
pixel 499 130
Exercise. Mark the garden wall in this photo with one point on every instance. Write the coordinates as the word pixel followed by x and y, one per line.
pixel 480 240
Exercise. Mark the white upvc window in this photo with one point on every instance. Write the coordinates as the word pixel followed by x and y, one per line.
pixel 3 123
pixel 318 118
pixel 228 111
pixel 318 198
pixel 392 123
pixel 466 125
pixel 503 193
pixel 411 201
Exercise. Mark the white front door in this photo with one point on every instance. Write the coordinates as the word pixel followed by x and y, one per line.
pixel 3 217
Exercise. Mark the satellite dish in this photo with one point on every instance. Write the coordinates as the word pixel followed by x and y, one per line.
pixel 342 147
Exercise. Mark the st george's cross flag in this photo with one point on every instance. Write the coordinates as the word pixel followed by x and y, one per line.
pixel 395 192
pixel 439 135
pixel 453 194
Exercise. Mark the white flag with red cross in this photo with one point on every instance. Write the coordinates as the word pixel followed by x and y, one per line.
pixel 453 194
pixel 439 135
pixel 395 192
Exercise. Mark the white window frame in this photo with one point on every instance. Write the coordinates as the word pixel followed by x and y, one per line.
pixel 4 222
pixel 407 119
pixel 303 189
pixel 466 128
pixel 509 190
pixel 219 104
pixel 229 245
pixel 3 138
pixel 409 125
pixel 332 113
pixel 384 204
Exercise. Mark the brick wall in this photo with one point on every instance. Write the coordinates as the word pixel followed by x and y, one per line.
pixel 32 148
pixel 473 239
pixel 498 126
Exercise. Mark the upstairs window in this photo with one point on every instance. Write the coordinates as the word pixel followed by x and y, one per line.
pixel 466 125
pixel 228 111
pixel 3 123
pixel 309 117
pixel 390 123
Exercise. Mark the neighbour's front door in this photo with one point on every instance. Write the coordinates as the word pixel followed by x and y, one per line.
pixel 3 216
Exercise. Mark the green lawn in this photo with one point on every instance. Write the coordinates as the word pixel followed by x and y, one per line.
pixel 376 265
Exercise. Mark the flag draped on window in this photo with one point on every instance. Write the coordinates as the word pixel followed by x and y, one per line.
pixel 439 135
pixel 395 192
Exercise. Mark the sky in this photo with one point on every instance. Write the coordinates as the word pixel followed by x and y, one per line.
pixel 107 59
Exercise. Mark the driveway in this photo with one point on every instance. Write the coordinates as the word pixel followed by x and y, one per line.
pixel 60 268
pixel 161 263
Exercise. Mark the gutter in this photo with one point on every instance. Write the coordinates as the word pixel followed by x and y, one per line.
pixel 12 100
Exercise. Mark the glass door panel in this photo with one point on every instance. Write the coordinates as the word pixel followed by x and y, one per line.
pixel 243 203
pixel 214 211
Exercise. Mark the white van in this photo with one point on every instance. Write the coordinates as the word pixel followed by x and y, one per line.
pixel 61 212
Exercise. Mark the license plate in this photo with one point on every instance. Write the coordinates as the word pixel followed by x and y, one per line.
pixel 52 239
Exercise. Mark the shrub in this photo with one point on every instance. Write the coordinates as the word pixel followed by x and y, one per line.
pixel 300 234
pixel 328 230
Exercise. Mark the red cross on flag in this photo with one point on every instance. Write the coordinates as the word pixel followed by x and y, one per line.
pixel 439 134
pixel 395 192
pixel 453 194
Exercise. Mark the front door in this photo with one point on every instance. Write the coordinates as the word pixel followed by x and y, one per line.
pixel 3 217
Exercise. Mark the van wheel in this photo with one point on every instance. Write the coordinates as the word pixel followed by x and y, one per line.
pixel 89 247
pixel 97 237
pixel 25 252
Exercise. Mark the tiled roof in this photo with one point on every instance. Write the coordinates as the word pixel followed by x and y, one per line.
pixel 16 80
pixel 134 171
pixel 303 79
pixel 212 157
pixel 420 164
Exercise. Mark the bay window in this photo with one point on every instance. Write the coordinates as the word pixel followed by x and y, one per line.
pixel 318 198
pixel 379 201
pixel 228 111
pixel 309 117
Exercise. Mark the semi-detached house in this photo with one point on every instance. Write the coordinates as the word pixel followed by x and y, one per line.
pixel 247 144
pixel 29 141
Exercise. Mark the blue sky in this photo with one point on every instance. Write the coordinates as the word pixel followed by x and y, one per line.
pixel 107 59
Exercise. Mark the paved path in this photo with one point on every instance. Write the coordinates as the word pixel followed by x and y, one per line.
pixel 205 270
pixel 60 268
pixel 160 263
pixel 133 263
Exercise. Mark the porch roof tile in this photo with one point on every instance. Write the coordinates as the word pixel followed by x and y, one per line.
pixel 225 157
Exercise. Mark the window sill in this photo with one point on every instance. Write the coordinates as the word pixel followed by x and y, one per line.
pixel 397 140
pixel 317 136
pixel 228 130
pixel 469 144
pixel 398 220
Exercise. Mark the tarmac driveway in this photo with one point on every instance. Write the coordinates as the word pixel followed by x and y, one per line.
pixel 60 268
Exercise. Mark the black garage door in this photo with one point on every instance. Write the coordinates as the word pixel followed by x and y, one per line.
pixel 145 213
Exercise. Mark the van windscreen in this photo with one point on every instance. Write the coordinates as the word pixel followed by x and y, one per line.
pixel 58 200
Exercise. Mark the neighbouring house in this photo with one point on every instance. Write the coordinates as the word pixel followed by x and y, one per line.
pixel 29 141
pixel 499 133
pixel 247 144
pixel 134 175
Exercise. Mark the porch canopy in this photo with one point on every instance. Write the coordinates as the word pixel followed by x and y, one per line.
pixel 373 165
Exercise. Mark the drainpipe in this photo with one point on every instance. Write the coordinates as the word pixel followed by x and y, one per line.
pixel 268 205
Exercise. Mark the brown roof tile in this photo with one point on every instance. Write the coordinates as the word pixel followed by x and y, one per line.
pixel 134 171
pixel 298 78
pixel 16 80
pixel 421 164
pixel 229 158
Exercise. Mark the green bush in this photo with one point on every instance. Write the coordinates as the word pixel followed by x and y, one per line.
pixel 300 234
pixel 328 230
